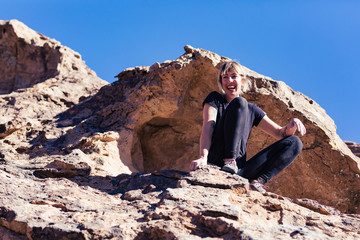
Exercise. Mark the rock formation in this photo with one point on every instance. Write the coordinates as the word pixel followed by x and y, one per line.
pixel 166 204
pixel 157 112
pixel 74 152
pixel 354 147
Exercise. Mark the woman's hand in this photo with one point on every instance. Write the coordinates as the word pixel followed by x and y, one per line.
pixel 295 125
pixel 199 163
pixel 272 128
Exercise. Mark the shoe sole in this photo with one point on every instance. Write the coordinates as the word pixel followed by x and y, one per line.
pixel 229 169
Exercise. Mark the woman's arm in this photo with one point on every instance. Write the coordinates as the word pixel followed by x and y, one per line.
pixel 209 120
pixel 270 127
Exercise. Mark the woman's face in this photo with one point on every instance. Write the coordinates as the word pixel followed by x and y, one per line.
pixel 231 83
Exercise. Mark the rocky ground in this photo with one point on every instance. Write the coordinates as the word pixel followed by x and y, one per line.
pixel 84 159
pixel 166 204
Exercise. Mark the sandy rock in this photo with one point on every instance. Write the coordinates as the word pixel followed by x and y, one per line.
pixel 71 165
pixel 156 206
pixel 28 57
pixel 159 111
pixel 39 79
pixel 82 159
pixel 354 147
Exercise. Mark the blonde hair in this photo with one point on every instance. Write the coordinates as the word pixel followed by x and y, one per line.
pixel 236 67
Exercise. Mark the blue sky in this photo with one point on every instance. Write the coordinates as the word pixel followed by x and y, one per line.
pixel 313 46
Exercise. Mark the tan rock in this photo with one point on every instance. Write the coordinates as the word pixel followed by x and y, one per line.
pixel 156 206
pixel 159 109
pixel 354 147
pixel 39 79
pixel 28 57
pixel 70 154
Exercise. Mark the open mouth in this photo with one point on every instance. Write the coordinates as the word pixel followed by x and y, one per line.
pixel 231 88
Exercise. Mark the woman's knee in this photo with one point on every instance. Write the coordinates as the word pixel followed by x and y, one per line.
pixel 296 143
pixel 238 102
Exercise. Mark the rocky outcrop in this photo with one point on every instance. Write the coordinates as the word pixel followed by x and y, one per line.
pixel 157 112
pixel 166 204
pixel 354 147
pixel 39 79
pixel 83 159
pixel 28 57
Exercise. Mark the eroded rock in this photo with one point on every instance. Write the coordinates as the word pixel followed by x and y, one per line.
pixel 83 159
pixel 354 147
pixel 157 111
pixel 156 205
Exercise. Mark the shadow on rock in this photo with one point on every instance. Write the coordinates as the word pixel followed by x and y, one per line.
pixel 146 182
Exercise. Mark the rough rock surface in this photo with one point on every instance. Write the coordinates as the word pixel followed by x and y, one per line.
pixel 74 151
pixel 28 57
pixel 166 204
pixel 354 147
pixel 157 112
pixel 39 79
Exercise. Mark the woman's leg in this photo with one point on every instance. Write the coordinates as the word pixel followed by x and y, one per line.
pixel 231 134
pixel 272 160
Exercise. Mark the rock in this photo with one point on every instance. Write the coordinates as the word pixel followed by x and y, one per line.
pixel 354 147
pixel 157 111
pixel 83 159
pixel 28 57
pixel 155 205
pixel 39 79
pixel 71 165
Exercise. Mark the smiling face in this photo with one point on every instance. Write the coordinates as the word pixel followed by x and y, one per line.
pixel 231 83
pixel 232 80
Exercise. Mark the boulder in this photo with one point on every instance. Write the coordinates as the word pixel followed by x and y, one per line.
pixel 39 79
pixel 28 58
pixel 157 111
pixel 166 204
pixel 83 159
pixel 354 147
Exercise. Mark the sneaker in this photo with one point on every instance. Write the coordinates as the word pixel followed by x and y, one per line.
pixel 230 167
pixel 257 185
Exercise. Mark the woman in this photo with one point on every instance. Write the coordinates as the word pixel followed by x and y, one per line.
pixel 227 122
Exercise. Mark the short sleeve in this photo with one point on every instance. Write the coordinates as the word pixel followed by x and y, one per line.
pixel 259 114
pixel 213 99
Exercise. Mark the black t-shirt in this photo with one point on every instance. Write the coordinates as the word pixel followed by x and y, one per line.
pixel 217 101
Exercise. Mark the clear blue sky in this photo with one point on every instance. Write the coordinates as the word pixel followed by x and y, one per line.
pixel 313 46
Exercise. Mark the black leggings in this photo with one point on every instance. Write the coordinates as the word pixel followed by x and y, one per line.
pixel 271 160
pixel 230 142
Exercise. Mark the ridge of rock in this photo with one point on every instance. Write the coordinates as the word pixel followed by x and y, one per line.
pixel 166 204
pixel 39 77
pixel 157 112
pixel 28 57
pixel 73 151
pixel 354 147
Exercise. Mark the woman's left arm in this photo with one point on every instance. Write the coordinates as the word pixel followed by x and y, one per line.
pixel 272 128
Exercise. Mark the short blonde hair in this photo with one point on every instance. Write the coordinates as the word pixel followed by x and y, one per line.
pixel 236 67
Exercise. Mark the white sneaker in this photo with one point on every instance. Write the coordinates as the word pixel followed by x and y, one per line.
pixel 230 167
pixel 257 185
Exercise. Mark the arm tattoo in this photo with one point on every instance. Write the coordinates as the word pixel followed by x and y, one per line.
pixel 283 133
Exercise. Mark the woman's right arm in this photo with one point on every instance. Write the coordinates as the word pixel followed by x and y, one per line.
pixel 209 120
